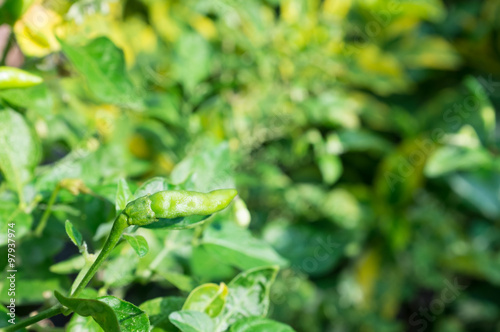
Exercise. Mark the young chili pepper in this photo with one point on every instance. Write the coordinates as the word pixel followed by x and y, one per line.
pixel 176 203
pixel 150 208
pixel 11 77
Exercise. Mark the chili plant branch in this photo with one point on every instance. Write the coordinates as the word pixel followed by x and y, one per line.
pixel 55 310
pixel 46 214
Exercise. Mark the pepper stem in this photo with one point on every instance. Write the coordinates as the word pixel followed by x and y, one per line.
pixel 119 225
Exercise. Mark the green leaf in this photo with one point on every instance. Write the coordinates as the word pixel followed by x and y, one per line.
pixel 102 313
pixel 10 213
pixel 73 234
pixel 71 265
pixel 480 190
pixel 130 317
pixel 192 60
pixel 202 263
pixel 259 324
pixel 152 186
pixel 19 153
pixel 449 159
pixel 103 66
pixel 192 321
pixel 123 195
pixel 249 294
pixel 160 308
pixel 236 246
pixel 181 281
pixel 357 140
pixel 10 11
pixel 330 167
pixel 83 324
pixel 138 243
pixel 211 169
pixel 178 223
pixel 119 271
pixel 207 298
pixel 111 313
pixel 36 99
pixel 311 249
pixel 32 290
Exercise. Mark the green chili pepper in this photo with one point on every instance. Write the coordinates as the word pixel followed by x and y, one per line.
pixel 11 77
pixel 150 208
pixel 176 203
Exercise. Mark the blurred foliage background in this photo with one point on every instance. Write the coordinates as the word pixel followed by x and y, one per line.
pixel 361 135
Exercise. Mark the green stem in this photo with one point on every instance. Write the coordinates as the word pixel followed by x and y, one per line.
pixel 119 225
pixel 48 210
pixel 55 310
pixel 114 236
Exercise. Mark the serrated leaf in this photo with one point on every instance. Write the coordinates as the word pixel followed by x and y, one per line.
pixel 73 234
pixel 192 321
pixel 138 243
pixel 207 298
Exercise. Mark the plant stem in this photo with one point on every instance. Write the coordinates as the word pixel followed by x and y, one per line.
pixel 119 226
pixel 46 214
pixel 114 236
pixel 55 310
